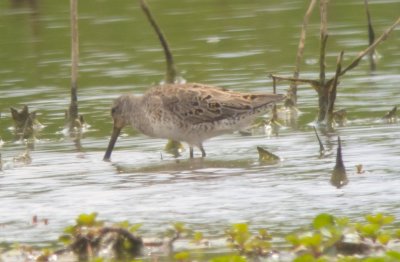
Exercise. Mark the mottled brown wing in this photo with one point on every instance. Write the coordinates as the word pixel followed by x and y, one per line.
pixel 196 103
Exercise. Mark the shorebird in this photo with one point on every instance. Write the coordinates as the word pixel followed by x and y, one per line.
pixel 188 112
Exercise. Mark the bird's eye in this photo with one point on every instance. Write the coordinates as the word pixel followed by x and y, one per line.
pixel 113 110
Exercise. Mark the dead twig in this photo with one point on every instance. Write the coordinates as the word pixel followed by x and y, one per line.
pixel 332 92
pixel 322 88
pixel 380 39
pixel 170 76
pixel 73 107
pixel 371 37
pixel 313 83
pixel 292 92
pixel 325 88
pixel 324 38
pixel 88 245
pixel 321 145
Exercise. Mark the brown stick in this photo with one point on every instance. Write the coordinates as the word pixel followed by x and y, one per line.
pixel 352 65
pixel 322 88
pixel 324 38
pixel 380 39
pixel 73 108
pixel 300 50
pixel 321 145
pixel 371 37
pixel 332 92
pixel 171 70
pixel 314 83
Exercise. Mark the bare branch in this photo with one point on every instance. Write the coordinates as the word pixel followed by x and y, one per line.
pixel 332 91
pixel 171 70
pixel 380 39
pixel 314 83
pixel 371 37
pixel 300 50
pixel 73 108
pixel 324 38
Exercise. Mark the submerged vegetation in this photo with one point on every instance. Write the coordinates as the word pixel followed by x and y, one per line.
pixel 328 238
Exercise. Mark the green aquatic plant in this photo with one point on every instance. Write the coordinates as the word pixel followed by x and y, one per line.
pixel 182 256
pixel 229 258
pixel 245 243
pixel 374 228
pixel 174 147
pixel 89 236
pixel 337 237
pixel 328 238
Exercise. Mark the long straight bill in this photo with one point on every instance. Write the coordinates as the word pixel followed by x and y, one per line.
pixel 113 139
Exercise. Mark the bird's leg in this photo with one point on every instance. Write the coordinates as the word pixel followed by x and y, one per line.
pixel 203 152
pixel 191 151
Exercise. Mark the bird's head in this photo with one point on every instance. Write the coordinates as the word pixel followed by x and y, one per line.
pixel 120 114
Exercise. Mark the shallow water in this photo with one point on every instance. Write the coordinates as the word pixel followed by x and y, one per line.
pixel 232 44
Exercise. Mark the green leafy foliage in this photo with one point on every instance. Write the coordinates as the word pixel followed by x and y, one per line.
pixel 88 220
pixel 379 219
pixel 197 237
pixel 373 229
pixel 229 258
pixel 128 226
pixel 329 234
pixel 323 220
pixel 325 240
pixel 85 238
pixel 309 258
pixel 393 255
pixel 179 227
pixel 182 256
pixel 241 239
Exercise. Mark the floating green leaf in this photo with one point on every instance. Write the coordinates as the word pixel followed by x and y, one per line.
pixel 174 147
pixel 342 221
pixel 393 254
pixel 369 230
pixel 179 227
pixel 384 238
pixel 263 234
pixel 69 230
pixel 379 219
pixel 375 259
pixel 308 258
pixel 231 258
pixel 294 240
pixel 182 256
pixel 65 239
pixel 134 228
pixel 323 220
pixel 87 219
pixel 314 240
pixel 123 224
pixel 197 237
pixel 97 259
